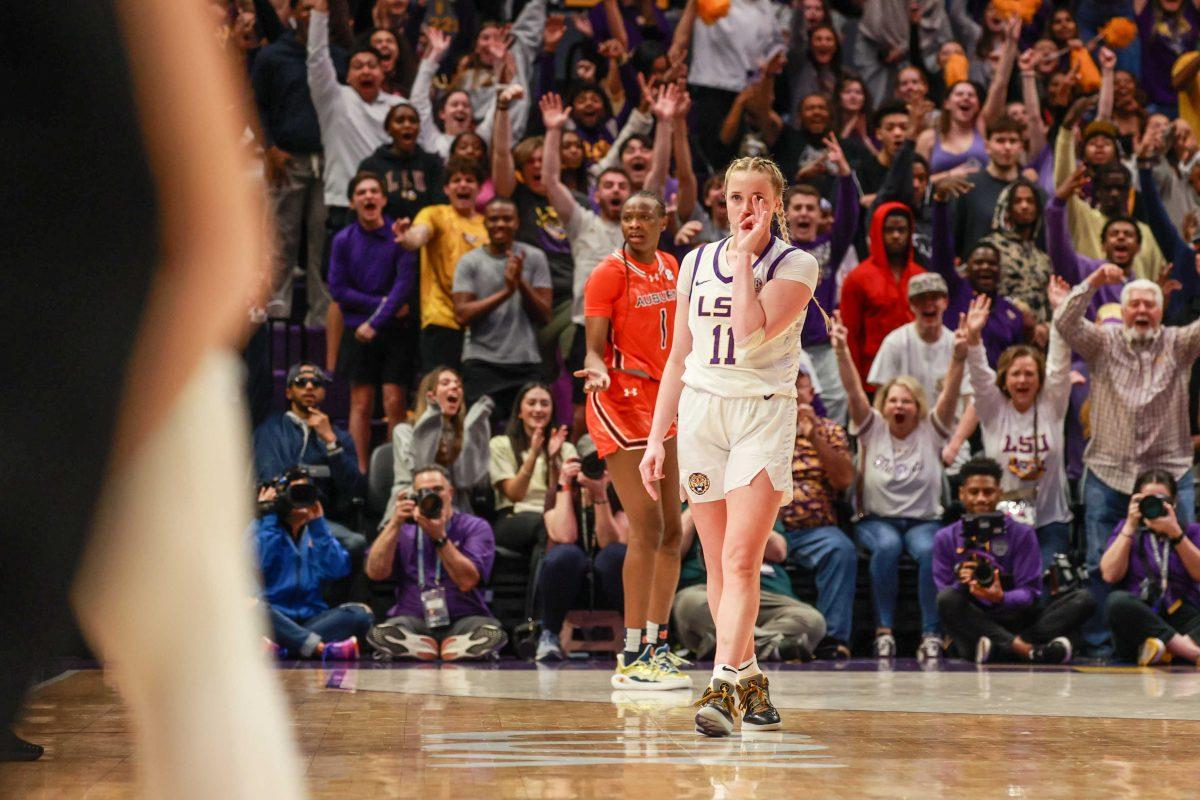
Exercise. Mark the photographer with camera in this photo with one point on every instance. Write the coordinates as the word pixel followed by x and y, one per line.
pixel 297 554
pixel 1155 564
pixel 304 435
pixel 439 559
pixel 584 496
pixel 988 572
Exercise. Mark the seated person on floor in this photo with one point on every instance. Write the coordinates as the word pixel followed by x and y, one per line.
pixel 988 572
pixel 1154 615
pixel 297 555
pixel 583 529
pixel 304 435
pixel 786 629
pixel 439 558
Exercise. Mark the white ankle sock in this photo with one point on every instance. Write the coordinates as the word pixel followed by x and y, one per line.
pixel 749 669
pixel 725 672
pixel 633 640
pixel 652 633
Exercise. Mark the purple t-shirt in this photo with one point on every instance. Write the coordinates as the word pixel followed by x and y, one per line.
pixel 1014 553
pixel 1163 42
pixel 473 537
pixel 1142 564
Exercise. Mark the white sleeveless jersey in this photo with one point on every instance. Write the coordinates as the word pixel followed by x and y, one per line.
pixel 715 364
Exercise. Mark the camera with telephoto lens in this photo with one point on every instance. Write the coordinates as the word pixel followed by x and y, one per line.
pixel 1063 575
pixel 978 532
pixel 1153 506
pixel 429 502
pixel 292 490
pixel 592 466
pixel 1150 592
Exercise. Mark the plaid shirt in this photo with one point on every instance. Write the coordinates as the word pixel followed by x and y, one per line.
pixel 812 493
pixel 1139 394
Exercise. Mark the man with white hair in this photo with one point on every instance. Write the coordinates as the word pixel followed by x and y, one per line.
pixel 1139 397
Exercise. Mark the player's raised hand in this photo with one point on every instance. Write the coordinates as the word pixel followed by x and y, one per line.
pixel 754 228
pixel 651 467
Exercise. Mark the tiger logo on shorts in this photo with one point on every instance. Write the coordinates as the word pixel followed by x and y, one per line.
pixel 698 482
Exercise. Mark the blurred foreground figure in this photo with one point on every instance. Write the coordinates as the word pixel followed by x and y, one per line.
pixel 131 241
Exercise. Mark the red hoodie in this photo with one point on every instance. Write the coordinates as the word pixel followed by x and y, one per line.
pixel 873 302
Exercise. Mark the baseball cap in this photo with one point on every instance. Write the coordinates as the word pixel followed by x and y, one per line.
pixel 926 283
pixel 1099 127
pixel 306 366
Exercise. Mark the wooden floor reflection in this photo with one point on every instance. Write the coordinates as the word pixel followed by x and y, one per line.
pixel 388 744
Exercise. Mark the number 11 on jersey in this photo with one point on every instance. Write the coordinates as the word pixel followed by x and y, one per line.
pixel 719 332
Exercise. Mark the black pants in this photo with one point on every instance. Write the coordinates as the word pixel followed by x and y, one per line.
pixel 81 249
pixel 440 347
pixel 501 382
pixel 520 532
pixel 966 621
pixel 1132 622
pixel 564 582
pixel 709 109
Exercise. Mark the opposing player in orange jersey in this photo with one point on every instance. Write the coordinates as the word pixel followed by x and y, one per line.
pixel 629 310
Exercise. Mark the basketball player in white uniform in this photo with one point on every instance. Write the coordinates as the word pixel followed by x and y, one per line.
pixel 731 378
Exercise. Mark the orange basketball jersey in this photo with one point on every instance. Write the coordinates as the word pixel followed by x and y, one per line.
pixel 639 300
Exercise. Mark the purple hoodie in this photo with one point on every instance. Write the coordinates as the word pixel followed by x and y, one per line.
pixel 829 249
pixel 1073 267
pixel 1014 553
pixel 370 276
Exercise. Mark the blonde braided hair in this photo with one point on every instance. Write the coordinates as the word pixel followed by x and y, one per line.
pixel 764 166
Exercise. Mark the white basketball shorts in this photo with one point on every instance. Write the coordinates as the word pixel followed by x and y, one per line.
pixel 725 441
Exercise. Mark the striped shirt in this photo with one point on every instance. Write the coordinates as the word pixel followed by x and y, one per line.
pixel 1139 394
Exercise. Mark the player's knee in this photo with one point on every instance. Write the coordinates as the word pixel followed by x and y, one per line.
pixel 740 564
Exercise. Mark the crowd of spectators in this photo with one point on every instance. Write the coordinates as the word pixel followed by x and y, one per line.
pixel 1003 198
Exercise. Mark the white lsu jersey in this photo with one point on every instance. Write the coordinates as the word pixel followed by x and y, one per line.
pixel 716 365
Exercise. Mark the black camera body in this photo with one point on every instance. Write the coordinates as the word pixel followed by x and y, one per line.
pixel 1153 506
pixel 1150 592
pixel 592 466
pixel 293 489
pixel 429 502
pixel 1063 575
pixel 978 532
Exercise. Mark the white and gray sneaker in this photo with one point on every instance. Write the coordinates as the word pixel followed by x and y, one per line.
pixel 885 645
pixel 930 649
pixel 983 650
pixel 549 648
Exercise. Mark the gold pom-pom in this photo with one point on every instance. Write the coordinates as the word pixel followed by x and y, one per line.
pixel 1025 9
pixel 1118 32
pixel 956 69
pixel 710 11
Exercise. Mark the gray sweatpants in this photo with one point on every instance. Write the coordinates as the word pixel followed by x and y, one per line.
pixel 778 616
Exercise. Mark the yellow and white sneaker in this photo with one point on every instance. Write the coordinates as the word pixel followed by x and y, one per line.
pixel 642 674
pixel 669 670
pixel 1153 651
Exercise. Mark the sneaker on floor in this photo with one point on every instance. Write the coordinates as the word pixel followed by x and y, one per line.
pixel 930 649
pixel 832 649
pixel 392 641
pixel 669 666
pixel 549 648
pixel 754 703
pixel 885 645
pixel 485 641
pixel 274 649
pixel 794 648
pixel 716 709
pixel 983 650
pixel 345 650
pixel 641 674
pixel 1153 651
pixel 1056 651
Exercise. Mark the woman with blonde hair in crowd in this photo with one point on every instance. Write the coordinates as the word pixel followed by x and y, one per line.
pixel 900 464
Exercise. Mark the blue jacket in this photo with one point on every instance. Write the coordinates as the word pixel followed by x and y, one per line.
pixel 279 443
pixel 294 569
pixel 280 83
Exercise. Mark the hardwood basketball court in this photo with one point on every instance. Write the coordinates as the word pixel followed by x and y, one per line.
pixel 514 731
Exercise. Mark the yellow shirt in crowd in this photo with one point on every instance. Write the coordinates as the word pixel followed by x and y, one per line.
pixel 453 236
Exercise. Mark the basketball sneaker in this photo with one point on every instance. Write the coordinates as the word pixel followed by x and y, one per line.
pixel 1056 651
pixel 885 645
pixel 345 650
pixel 486 640
pixel 641 674
pixel 669 668
pixel 930 649
pixel 754 703
pixel 1153 651
pixel 717 710
pixel 391 641
pixel 549 648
